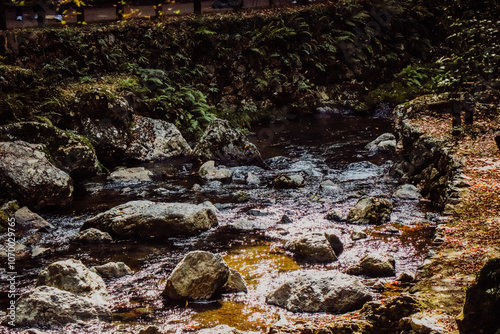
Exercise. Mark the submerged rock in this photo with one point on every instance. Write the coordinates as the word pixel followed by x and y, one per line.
pixel 199 276
pixel 208 171
pixel 482 302
pixel 146 219
pixel 155 139
pixel 370 210
pixel 385 143
pixel 320 291
pixel 134 174
pixel 285 181
pixel 112 269
pixel 374 265
pixel 92 236
pixel 27 175
pixel 227 146
pixel 407 191
pixel 313 247
pixel 47 306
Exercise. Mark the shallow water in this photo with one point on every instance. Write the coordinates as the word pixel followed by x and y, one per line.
pixel 323 147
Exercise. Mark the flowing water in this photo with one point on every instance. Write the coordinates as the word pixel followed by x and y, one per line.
pixel 321 147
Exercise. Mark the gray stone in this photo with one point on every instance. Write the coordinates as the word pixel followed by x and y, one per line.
pixel 385 143
pixel 72 276
pixel 312 247
pixel 358 234
pixel 334 215
pixel 132 175
pixel 335 242
pixel 92 236
pixel 320 291
pixel 227 146
pixel 47 306
pixel 112 269
pixel 426 323
pixel 26 219
pixel 285 181
pixel 406 277
pixel 145 219
pixel 155 139
pixel 27 175
pixel 370 210
pixel 208 171
pixel 407 191
pixel 374 265
pixel 235 283
pixel 199 276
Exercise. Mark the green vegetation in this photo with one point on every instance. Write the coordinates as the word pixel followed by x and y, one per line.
pixel 249 66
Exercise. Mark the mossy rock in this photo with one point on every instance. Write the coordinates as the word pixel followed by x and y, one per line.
pixel 69 151
pixel 7 210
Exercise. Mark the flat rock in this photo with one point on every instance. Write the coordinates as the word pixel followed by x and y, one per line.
pixel 320 291
pixel 145 219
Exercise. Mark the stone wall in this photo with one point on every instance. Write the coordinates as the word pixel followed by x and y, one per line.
pixel 424 160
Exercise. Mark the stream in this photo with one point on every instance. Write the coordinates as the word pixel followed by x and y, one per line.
pixel 320 147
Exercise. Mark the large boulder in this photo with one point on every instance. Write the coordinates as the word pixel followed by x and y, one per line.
pixel 313 247
pixel 227 146
pixel 69 151
pixel 47 306
pixel 103 117
pixel 482 302
pixel 199 276
pixel 370 210
pixel 320 291
pixel 27 175
pixel 72 276
pixel 154 139
pixel 146 219
pixel 374 265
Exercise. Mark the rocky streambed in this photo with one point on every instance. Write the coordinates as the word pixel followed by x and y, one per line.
pixel 320 207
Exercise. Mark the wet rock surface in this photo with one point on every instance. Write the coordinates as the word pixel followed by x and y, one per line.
pixel 255 220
